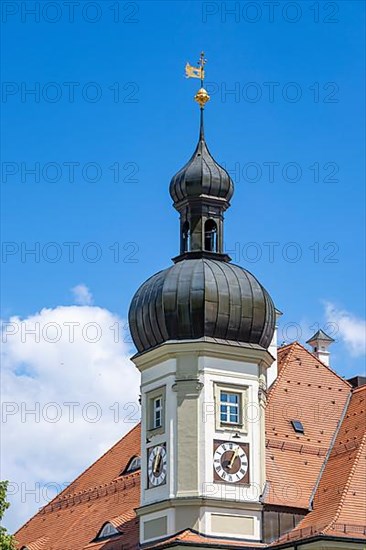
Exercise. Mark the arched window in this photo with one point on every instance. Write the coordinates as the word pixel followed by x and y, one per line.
pixel 210 236
pixel 185 237
pixel 108 530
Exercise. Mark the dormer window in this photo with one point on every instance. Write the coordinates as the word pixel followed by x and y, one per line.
pixel 133 465
pixel 108 530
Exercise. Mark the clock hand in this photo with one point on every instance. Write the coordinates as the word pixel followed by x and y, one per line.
pixel 234 455
pixel 157 462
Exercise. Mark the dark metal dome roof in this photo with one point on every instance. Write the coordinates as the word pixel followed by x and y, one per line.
pixel 198 298
pixel 202 175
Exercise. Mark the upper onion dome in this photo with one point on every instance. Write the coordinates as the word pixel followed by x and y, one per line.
pixel 198 298
pixel 202 175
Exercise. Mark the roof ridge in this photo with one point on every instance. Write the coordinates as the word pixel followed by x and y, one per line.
pixel 348 483
pixel 330 449
pixel 285 346
pixel 324 365
pixel 359 389
pixel 185 533
pixel 295 345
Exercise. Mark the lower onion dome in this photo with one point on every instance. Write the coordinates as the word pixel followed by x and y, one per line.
pixel 198 298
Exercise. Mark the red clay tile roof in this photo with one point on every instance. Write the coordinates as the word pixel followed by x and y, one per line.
pixel 39 544
pixel 328 460
pixel 339 506
pixel 311 392
pixel 74 518
pixel 191 537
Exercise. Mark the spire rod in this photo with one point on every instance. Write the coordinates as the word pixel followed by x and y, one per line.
pixel 201 63
pixel 202 128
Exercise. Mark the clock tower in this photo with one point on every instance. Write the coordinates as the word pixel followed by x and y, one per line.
pixel 202 329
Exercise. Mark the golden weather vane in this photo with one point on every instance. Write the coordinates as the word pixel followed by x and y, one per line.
pixel 199 72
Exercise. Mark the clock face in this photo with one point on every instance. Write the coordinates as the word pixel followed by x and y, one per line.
pixel 230 462
pixel 157 465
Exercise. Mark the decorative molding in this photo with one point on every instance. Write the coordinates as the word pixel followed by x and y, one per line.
pixel 220 349
pixel 187 387
pixel 198 502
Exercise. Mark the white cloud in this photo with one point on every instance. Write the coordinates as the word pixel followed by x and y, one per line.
pixel 350 329
pixel 69 392
pixel 82 295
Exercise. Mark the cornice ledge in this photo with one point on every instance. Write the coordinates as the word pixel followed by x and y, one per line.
pixel 222 349
pixel 198 502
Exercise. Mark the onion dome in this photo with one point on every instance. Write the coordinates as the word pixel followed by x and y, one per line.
pixel 201 298
pixel 203 295
pixel 202 175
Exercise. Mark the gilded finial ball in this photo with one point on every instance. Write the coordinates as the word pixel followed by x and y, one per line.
pixel 202 97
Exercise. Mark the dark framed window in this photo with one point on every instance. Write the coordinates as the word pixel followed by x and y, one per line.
pixel 185 237
pixel 157 412
pixel 211 236
pixel 297 426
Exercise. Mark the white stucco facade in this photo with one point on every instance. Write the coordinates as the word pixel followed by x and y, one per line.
pixel 189 375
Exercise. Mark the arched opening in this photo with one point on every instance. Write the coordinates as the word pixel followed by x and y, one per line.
pixel 211 236
pixel 185 237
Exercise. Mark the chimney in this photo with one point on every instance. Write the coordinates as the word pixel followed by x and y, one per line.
pixel 320 343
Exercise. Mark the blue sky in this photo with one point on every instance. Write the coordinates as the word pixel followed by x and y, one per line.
pixel 298 103
pixel 112 119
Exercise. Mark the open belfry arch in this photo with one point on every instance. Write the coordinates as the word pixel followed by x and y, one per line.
pixel 241 443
